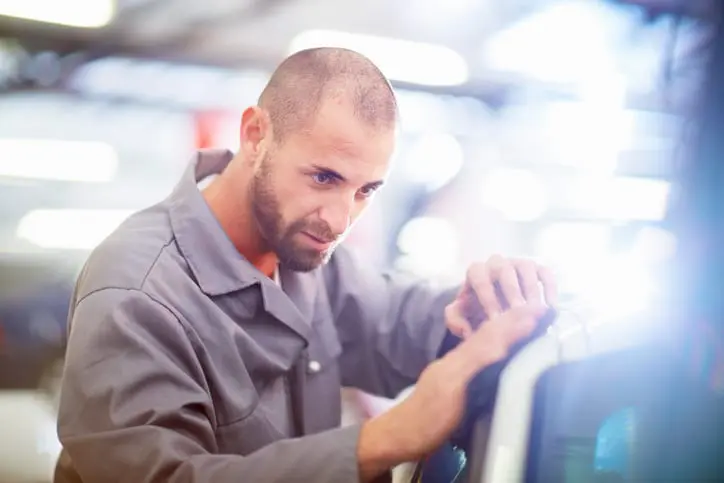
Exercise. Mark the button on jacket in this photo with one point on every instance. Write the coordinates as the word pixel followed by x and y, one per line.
pixel 186 364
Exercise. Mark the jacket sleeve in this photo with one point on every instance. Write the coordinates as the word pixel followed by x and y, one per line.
pixel 135 408
pixel 390 329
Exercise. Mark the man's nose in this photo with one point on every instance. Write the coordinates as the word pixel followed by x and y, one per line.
pixel 338 215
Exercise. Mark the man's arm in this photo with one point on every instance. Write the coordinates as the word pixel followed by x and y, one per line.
pixel 390 330
pixel 134 408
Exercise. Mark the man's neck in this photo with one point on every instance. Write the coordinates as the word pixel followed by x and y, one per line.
pixel 233 212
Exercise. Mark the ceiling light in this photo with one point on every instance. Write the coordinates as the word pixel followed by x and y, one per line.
pixel 400 60
pixel 69 229
pixel 57 160
pixel 71 13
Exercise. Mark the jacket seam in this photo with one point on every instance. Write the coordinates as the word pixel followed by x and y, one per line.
pixel 190 333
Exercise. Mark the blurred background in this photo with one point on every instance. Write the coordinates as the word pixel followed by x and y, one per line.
pixel 538 128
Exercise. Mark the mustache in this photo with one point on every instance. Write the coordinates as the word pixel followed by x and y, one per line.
pixel 318 230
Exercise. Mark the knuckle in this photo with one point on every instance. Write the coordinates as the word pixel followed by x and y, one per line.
pixel 508 272
pixel 451 319
pixel 496 259
pixel 475 270
pixel 497 263
pixel 545 272
pixel 479 281
pixel 526 266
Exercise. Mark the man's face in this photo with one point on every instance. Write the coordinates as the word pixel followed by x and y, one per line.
pixel 309 190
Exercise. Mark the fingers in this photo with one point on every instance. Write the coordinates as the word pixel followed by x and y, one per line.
pixel 528 277
pixel 498 271
pixel 501 283
pixel 493 340
pixel 514 325
pixel 455 320
pixel 481 282
pixel 550 288
pixel 506 275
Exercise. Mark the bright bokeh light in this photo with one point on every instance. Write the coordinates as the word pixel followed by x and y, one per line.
pixel 573 242
pixel 400 60
pixel 430 247
pixel 71 13
pixel 587 136
pixel 32 421
pixel 439 15
pixel 518 194
pixel 621 198
pixel 609 284
pixel 567 42
pixel 433 160
pixel 69 229
pixel 421 112
pixel 617 286
pixel 57 160
pixel 654 246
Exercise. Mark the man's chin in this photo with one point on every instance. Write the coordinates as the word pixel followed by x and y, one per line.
pixel 305 260
pixel 302 266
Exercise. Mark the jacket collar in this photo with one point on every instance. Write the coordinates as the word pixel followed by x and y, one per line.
pixel 214 260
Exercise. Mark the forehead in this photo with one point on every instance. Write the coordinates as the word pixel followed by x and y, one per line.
pixel 344 143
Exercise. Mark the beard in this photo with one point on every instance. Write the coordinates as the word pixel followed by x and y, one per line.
pixel 282 237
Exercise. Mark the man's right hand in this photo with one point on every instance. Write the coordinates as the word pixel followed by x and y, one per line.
pixel 426 418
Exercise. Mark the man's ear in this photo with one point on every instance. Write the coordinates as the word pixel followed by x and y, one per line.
pixel 255 131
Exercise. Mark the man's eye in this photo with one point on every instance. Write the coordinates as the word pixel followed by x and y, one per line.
pixel 322 178
pixel 367 192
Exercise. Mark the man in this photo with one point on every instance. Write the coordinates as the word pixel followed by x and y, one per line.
pixel 210 334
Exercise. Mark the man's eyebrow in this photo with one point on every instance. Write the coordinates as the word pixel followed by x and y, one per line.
pixel 374 185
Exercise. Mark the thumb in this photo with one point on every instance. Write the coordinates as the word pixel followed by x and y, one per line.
pixel 456 321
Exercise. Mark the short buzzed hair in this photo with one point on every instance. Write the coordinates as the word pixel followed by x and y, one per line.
pixel 304 80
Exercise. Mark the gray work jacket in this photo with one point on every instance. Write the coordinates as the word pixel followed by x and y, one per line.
pixel 186 364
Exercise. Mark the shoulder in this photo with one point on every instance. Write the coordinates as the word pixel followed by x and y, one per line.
pixel 128 262
pixel 115 326
pixel 113 313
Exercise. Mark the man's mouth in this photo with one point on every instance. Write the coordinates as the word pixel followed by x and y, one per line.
pixel 319 242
